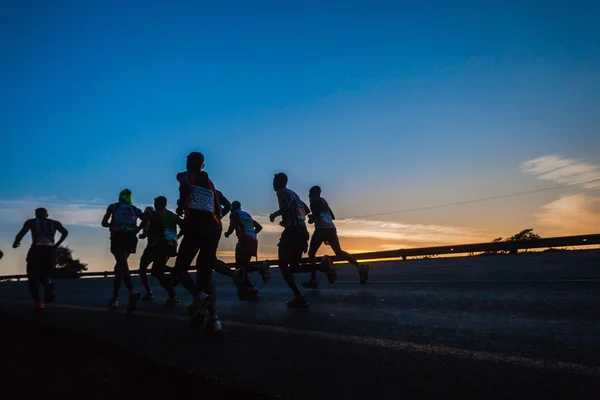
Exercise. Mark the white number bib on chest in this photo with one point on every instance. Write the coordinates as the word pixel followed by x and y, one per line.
pixel 202 199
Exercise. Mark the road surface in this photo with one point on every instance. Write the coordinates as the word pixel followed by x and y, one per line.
pixel 523 325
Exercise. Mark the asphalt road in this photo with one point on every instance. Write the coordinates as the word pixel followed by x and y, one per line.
pixel 483 327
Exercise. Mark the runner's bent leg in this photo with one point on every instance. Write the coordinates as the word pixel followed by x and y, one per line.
pixel 117 279
pixel 127 274
pixel 286 272
pixel 223 269
pixel 158 271
pixel 33 275
pixel 205 264
pixel 335 246
pixel 315 244
pixel 187 251
pixel 242 261
pixel 45 268
pixel 145 262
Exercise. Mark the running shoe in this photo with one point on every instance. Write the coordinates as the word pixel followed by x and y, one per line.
pixel 133 299
pixel 172 301
pixel 198 309
pixel 113 304
pixel 312 284
pixel 39 306
pixel 265 273
pixel 298 302
pixel 148 297
pixel 328 269
pixel 363 273
pixel 213 324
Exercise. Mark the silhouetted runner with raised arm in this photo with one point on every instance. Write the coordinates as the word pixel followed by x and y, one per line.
pixel 202 228
pixel 294 238
pixel 121 219
pixel 325 232
pixel 246 230
pixel 161 230
pixel 41 257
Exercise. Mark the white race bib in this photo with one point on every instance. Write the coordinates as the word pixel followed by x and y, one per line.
pixel 202 199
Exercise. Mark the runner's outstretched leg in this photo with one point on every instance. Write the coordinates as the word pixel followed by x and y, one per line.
pixel 145 262
pixel 286 272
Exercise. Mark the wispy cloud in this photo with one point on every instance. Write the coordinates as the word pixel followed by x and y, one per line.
pixel 415 234
pixel 398 231
pixel 564 171
pixel 571 215
pixel 69 212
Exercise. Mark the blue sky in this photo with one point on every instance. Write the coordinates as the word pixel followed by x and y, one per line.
pixel 386 105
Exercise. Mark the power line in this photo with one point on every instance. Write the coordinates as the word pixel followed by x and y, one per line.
pixel 460 203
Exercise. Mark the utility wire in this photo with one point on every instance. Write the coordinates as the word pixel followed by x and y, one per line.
pixel 460 203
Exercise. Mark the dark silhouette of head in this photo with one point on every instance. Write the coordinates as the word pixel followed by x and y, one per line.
pixel 160 203
pixel 236 205
pixel 195 161
pixel 41 213
pixel 280 181
pixel 314 191
pixel 125 196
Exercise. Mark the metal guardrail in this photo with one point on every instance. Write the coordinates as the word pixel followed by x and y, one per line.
pixel 511 247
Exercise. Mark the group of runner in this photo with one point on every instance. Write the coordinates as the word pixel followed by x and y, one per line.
pixel 198 219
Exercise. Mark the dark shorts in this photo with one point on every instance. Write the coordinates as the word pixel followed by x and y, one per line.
pixel 247 246
pixel 123 242
pixel 320 236
pixel 154 251
pixel 243 255
pixel 198 238
pixel 294 242
pixel 40 261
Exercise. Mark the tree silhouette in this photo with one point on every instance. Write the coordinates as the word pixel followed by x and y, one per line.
pixel 66 265
pixel 525 234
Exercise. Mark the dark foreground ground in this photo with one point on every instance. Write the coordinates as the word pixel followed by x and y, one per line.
pixel 522 326
pixel 47 363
